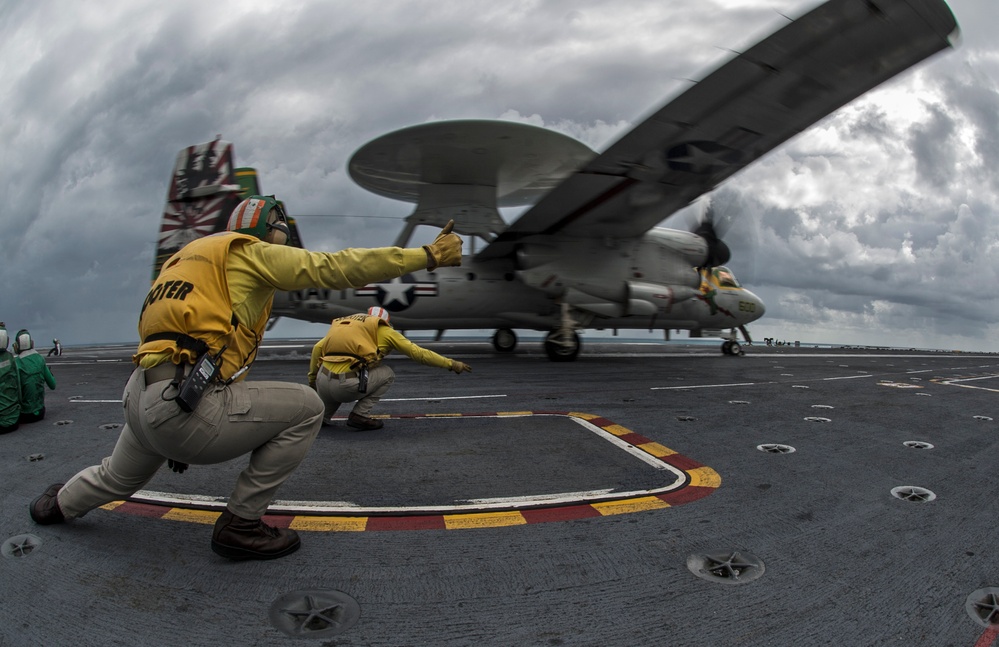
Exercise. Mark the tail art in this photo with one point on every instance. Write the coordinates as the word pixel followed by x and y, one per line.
pixel 204 190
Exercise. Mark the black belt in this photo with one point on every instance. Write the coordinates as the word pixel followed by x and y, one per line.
pixel 346 376
pixel 164 371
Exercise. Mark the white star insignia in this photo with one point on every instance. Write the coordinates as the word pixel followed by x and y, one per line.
pixel 396 292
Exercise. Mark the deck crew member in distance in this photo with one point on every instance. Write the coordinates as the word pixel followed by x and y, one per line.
pixel 346 364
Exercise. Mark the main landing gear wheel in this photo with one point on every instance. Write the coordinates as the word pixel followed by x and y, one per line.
pixel 504 340
pixel 562 346
pixel 732 348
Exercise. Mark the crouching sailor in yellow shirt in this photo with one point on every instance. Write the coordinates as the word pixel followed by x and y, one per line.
pixel 205 316
pixel 347 364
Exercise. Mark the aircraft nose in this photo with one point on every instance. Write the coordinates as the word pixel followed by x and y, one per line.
pixel 754 307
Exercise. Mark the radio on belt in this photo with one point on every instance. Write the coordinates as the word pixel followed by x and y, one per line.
pixel 194 385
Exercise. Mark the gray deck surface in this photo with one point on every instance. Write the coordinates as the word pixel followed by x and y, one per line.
pixel 844 562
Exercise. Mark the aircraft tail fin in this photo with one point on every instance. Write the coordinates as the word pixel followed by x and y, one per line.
pixel 204 189
pixel 203 192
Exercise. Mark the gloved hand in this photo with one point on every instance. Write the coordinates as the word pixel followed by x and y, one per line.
pixel 445 250
pixel 460 367
pixel 176 466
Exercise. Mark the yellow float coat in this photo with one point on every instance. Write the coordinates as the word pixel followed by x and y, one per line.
pixel 246 273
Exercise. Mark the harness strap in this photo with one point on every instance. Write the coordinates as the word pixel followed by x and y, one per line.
pixel 358 364
pixel 183 341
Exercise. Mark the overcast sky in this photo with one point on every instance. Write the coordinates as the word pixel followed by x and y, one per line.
pixel 878 226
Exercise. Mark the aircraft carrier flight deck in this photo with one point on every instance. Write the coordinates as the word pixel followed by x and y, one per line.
pixel 645 494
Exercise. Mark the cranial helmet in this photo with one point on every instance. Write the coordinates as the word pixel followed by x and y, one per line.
pixel 256 215
pixel 22 341
pixel 4 338
pixel 381 313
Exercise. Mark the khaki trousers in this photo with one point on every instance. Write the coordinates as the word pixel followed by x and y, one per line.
pixel 334 388
pixel 275 422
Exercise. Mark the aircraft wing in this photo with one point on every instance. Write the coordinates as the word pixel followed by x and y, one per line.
pixel 735 115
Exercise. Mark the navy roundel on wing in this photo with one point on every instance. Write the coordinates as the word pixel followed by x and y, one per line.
pixel 701 157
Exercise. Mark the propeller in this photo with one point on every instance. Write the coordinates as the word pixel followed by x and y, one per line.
pixel 718 251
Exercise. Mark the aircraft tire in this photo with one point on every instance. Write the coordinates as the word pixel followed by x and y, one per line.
pixel 504 340
pixel 559 349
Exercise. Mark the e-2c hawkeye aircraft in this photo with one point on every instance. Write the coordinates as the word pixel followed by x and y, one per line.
pixel 588 253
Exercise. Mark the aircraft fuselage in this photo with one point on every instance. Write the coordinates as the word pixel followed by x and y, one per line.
pixel 647 283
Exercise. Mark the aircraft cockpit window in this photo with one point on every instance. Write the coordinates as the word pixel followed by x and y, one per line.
pixel 725 278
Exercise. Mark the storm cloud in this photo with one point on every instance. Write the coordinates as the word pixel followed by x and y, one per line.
pixel 876 226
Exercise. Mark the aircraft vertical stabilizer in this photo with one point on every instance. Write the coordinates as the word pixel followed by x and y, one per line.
pixel 203 192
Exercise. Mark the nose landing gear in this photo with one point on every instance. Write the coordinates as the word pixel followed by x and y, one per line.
pixel 732 348
pixel 731 345
pixel 562 345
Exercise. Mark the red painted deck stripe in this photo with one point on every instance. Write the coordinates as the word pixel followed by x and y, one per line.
pixel 635 439
pixel 430 522
pixel 681 462
pixel 567 513
pixel 143 509
pixel 278 520
pixel 988 637
pixel 686 494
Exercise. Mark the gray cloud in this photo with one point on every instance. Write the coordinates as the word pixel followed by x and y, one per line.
pixel 934 147
pixel 879 224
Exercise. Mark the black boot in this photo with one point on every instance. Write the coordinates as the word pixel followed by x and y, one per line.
pixel 238 538
pixel 363 423
pixel 45 509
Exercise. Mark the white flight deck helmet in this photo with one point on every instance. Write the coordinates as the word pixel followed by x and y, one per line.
pixel 381 313
pixel 4 338
pixel 257 215
pixel 22 341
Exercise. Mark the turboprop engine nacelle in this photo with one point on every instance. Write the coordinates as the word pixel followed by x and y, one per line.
pixel 657 267
pixel 651 298
pixel 691 247
pixel 634 300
